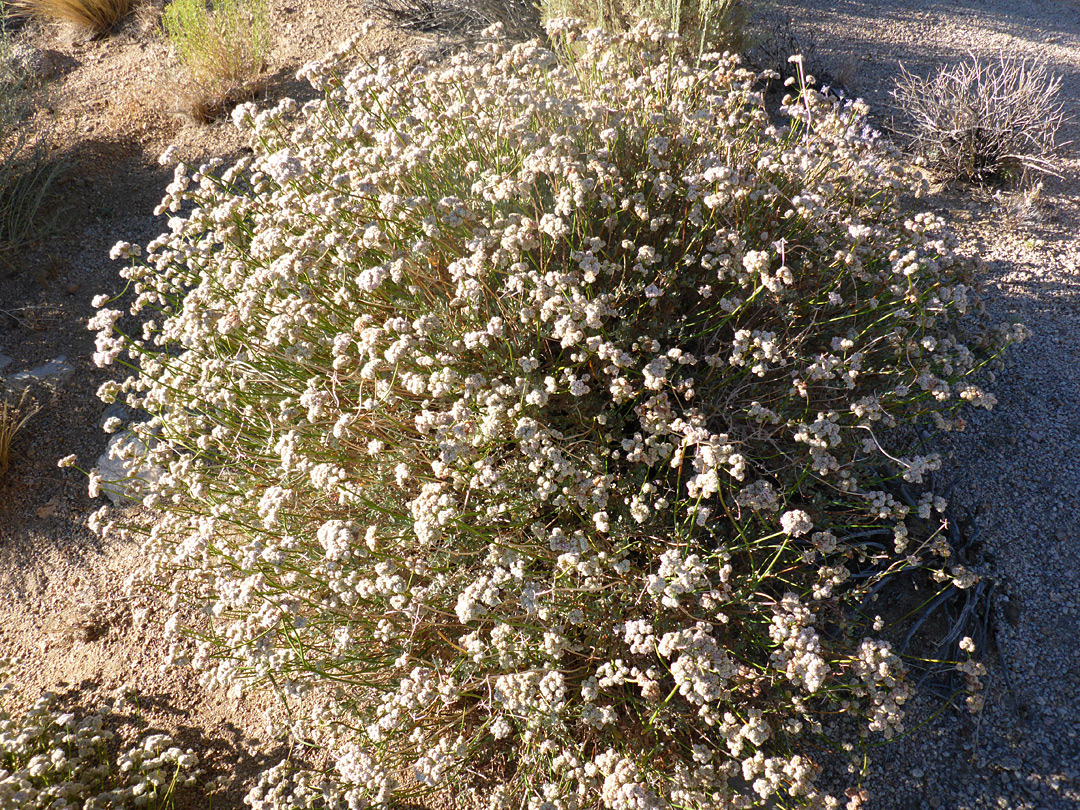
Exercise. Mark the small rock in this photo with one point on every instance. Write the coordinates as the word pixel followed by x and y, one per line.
pixel 1036 436
pixel 1061 535
pixel 1011 763
pixel 47 511
pixel 5 361
pixel 123 469
pixel 54 372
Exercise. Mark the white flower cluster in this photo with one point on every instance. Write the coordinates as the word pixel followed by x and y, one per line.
pixel 528 400
pixel 60 761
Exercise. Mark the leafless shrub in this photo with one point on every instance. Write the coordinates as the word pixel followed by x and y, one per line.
pixel 776 44
pixel 460 18
pixel 984 121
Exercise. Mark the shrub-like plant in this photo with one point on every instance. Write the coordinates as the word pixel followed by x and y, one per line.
pixel 534 417
pixel 222 50
pixel 984 121
pixel 703 25
pixel 52 759
pixel 90 17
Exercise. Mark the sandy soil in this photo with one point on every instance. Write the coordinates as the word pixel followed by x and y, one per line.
pixel 108 114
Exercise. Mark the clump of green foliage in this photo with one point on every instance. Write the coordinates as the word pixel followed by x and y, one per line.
pixel 222 50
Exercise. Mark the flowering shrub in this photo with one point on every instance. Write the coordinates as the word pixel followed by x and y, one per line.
pixel 530 417
pixel 56 760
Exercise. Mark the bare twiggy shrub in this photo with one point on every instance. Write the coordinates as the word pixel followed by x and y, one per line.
pixel 984 121
pixel 520 19
pixel 531 415
pixel 772 51
pixel 90 17
pixel 222 50
pixel 779 41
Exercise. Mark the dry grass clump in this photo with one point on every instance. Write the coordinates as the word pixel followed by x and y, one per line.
pixel 984 121
pixel 532 414
pixel 222 50
pixel 13 418
pixel 27 170
pixel 90 17
pixel 27 173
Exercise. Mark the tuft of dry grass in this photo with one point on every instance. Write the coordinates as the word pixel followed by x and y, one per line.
pixel 92 17
pixel 27 169
pixel 13 418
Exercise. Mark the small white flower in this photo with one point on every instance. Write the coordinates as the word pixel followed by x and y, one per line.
pixel 796 522
pixel 123 250
pixel 168 157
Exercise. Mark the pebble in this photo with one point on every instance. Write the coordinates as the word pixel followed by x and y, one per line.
pixel 53 373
